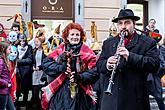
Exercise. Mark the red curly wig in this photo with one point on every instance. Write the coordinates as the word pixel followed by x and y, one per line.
pixel 70 27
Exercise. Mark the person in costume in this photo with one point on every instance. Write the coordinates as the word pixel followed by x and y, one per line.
pixel 2 32
pixel 32 26
pixel 12 68
pixel 5 79
pixel 15 27
pixel 55 40
pixel 129 57
pixel 24 69
pixel 71 71
pixel 18 23
pixel 13 37
pixel 41 34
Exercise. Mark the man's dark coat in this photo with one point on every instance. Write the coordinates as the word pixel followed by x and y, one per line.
pixel 129 89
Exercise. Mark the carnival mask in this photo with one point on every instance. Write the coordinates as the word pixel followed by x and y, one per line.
pixel 12 37
pixel 56 35
pixel 13 53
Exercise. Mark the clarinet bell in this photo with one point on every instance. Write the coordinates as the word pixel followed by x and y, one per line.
pixel 109 89
pixel 108 92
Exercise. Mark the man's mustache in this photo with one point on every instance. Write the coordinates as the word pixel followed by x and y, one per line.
pixel 124 31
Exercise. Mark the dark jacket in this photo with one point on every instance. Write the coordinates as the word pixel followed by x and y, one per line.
pixel 61 100
pixel 24 70
pixel 147 30
pixel 129 89
pixel 162 60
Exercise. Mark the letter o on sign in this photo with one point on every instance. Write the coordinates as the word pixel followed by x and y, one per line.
pixel 53 3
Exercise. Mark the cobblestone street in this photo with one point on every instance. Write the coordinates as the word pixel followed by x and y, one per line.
pixel 153 103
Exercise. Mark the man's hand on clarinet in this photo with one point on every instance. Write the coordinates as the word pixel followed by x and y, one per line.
pixel 122 51
pixel 111 62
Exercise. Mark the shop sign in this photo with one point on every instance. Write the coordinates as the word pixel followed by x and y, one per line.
pixel 52 9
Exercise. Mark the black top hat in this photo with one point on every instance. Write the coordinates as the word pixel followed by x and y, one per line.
pixel 126 14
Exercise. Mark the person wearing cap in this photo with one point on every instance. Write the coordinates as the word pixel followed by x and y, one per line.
pixel 138 57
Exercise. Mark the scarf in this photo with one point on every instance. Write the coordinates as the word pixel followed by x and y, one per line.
pixel 86 55
pixel 128 39
pixel 22 51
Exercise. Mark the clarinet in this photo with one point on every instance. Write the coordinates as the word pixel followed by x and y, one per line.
pixel 73 85
pixel 111 79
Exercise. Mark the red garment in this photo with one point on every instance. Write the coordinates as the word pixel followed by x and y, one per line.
pixel 12 67
pixel 3 34
pixel 49 90
pixel 88 57
pixel 128 39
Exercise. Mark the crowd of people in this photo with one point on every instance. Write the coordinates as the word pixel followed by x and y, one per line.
pixel 65 74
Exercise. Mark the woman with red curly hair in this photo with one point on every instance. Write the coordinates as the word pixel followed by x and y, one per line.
pixel 74 26
pixel 70 69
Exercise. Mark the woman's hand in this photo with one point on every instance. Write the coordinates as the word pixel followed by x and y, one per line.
pixel 72 76
pixel 68 69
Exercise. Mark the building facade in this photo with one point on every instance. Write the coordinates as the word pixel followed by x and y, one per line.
pixel 82 11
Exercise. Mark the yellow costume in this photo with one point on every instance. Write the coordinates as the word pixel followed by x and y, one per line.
pixel 41 34
pixel 95 46
pixel 55 40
